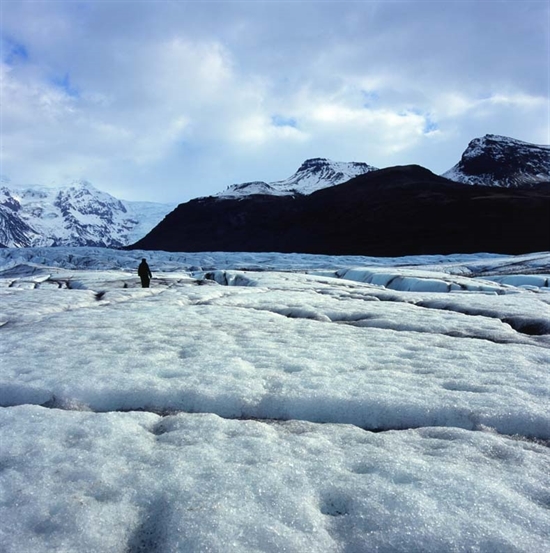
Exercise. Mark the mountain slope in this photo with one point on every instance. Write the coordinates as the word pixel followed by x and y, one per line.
pixel 390 212
pixel 14 231
pixel 314 174
pixel 501 161
pixel 77 215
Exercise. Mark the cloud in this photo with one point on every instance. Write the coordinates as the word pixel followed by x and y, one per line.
pixel 170 100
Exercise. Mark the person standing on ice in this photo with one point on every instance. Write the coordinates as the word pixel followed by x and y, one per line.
pixel 144 273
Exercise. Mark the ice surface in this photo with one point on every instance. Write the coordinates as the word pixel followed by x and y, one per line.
pixel 266 402
pixel 77 481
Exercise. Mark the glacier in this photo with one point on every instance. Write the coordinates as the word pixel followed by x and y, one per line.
pixel 273 402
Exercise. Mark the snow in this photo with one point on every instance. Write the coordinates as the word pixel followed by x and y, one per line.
pixel 314 174
pixel 270 402
pixel 75 214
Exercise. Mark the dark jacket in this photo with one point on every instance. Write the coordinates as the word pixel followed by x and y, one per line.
pixel 144 271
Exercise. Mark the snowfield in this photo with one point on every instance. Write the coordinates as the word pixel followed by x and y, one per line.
pixel 270 402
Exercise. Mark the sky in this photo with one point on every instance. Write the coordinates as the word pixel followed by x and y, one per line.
pixel 171 100
pixel 296 403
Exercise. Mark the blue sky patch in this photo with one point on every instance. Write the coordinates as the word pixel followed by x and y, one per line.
pixel 65 84
pixel 370 97
pixel 430 126
pixel 281 121
pixel 14 52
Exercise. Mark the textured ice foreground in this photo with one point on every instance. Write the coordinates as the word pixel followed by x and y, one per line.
pixel 139 482
pixel 236 360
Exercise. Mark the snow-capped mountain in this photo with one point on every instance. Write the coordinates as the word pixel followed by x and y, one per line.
pixel 404 210
pixel 76 215
pixel 314 174
pixel 501 161
pixel 488 161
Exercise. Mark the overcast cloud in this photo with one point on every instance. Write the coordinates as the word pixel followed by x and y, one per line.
pixel 170 100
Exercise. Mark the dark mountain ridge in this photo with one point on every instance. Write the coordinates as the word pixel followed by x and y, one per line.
pixel 404 210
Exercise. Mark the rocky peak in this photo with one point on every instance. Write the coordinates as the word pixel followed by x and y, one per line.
pixel 314 164
pixel 7 200
pixel 312 175
pixel 494 160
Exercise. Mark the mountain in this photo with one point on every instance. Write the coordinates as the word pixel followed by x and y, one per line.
pixel 396 211
pixel 501 161
pixel 76 215
pixel 488 161
pixel 309 211
pixel 314 174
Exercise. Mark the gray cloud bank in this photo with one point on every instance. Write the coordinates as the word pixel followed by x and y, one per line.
pixel 169 100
